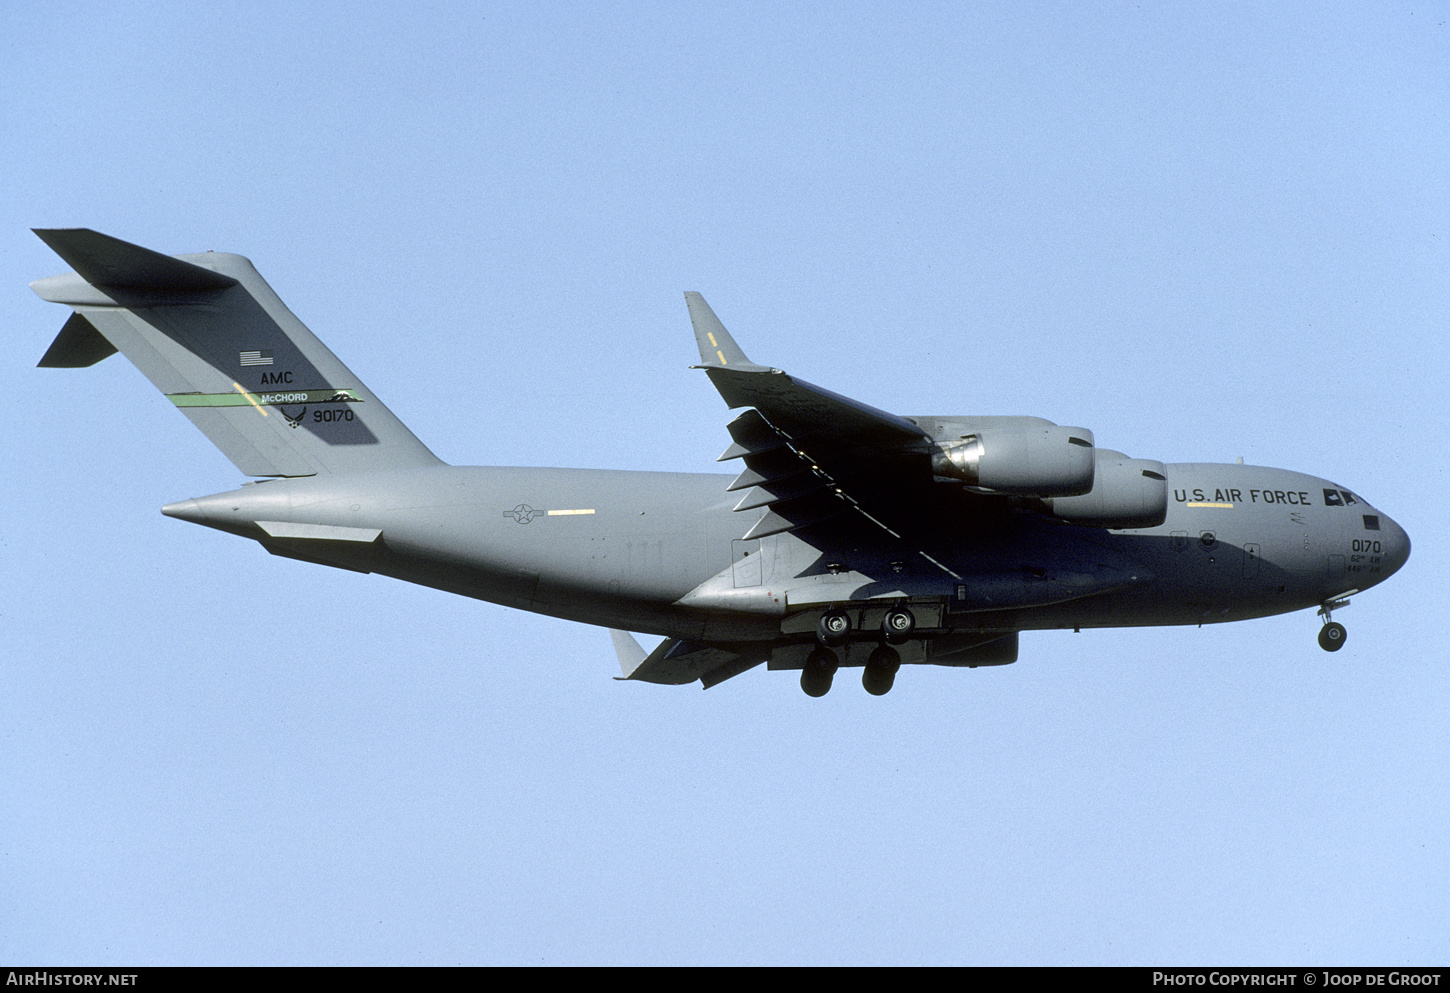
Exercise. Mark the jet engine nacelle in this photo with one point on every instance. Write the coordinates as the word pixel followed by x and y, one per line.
pixel 1040 460
pixel 1126 493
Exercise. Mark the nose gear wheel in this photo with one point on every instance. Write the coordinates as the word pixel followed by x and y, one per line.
pixel 1332 634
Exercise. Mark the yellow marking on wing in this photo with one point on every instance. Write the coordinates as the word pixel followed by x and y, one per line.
pixel 250 399
pixel 722 357
pixel 713 342
pixel 1224 506
pixel 569 513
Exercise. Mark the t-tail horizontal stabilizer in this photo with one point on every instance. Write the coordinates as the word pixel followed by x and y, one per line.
pixel 210 333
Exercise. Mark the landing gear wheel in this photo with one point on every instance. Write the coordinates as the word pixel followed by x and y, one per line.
pixel 897 625
pixel 819 670
pixel 1331 636
pixel 834 628
pixel 880 672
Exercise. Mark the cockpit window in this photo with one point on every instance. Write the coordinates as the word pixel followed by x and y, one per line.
pixel 1348 497
pixel 1331 499
pixel 1371 522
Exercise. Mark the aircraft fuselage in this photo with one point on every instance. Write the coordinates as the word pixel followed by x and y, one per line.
pixel 662 552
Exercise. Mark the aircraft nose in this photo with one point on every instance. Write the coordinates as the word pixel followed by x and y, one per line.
pixel 1396 545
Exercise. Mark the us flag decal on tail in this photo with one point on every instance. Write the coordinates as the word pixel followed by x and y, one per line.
pixel 263 357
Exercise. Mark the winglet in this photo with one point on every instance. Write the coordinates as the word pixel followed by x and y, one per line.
pixel 629 651
pixel 717 348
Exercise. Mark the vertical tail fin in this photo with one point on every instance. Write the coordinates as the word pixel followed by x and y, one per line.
pixel 210 333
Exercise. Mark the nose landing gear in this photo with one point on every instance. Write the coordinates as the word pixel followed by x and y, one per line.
pixel 1332 635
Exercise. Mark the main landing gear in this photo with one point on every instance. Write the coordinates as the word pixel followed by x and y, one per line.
pixel 1332 634
pixel 834 629
pixel 880 672
pixel 819 671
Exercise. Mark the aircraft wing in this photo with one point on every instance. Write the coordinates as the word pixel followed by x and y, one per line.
pixel 809 454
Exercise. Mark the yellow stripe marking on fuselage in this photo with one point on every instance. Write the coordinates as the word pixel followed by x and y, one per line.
pixel 568 513
pixel 1222 506
pixel 250 399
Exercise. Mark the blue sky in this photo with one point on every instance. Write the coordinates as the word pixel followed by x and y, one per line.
pixel 1203 232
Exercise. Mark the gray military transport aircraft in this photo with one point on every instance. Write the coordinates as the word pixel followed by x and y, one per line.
pixel 850 537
